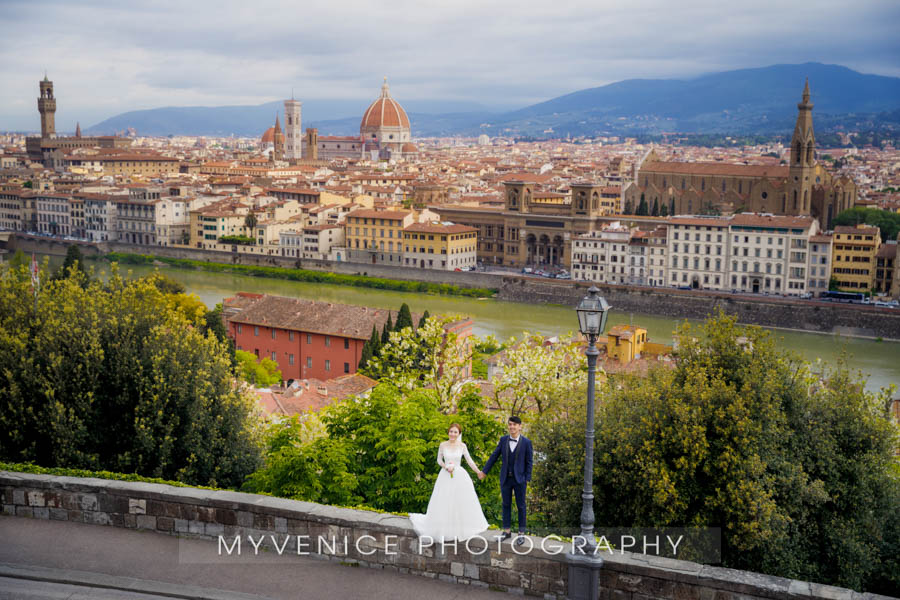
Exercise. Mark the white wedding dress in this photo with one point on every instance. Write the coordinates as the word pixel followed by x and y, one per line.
pixel 454 512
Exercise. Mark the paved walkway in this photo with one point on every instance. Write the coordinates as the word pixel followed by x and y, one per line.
pixel 76 560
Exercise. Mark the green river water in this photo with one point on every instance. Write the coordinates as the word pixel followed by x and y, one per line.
pixel 880 361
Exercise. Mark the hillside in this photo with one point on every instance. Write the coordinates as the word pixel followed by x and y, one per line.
pixel 761 100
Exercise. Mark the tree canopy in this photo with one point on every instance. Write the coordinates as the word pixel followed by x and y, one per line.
pixel 887 222
pixel 796 467
pixel 112 376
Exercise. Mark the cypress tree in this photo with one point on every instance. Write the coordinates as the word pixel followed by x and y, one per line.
pixel 386 332
pixel 404 318
pixel 364 357
pixel 375 341
pixel 424 318
pixel 655 212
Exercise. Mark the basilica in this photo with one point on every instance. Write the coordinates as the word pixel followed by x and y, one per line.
pixel 802 187
pixel 384 134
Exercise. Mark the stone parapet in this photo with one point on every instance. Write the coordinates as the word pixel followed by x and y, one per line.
pixel 381 541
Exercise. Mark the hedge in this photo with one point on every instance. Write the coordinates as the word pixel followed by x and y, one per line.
pixel 304 275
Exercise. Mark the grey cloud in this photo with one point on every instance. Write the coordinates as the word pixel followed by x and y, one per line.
pixel 107 56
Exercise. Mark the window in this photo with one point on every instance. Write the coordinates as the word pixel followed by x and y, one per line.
pixel 327 341
pixel 327 365
pixel 346 367
pixel 291 336
pixel 290 359
pixel 309 338
pixel 274 357
pixel 273 333
pixel 346 344
pixel 309 362
pixel 240 329
pixel 255 330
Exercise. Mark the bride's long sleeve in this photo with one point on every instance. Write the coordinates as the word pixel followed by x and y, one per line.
pixel 440 457
pixel 469 459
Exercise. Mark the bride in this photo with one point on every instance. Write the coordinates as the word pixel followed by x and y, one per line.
pixel 454 511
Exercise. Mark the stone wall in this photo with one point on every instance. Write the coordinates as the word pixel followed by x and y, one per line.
pixel 825 317
pixel 47 245
pixel 387 541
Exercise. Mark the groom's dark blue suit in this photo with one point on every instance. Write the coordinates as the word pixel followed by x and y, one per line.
pixel 515 473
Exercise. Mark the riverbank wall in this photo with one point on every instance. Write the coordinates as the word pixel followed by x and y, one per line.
pixel 804 315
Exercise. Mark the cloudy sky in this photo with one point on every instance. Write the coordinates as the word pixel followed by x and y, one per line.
pixel 112 56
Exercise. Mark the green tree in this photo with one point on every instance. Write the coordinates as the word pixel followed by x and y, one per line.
pixel 250 222
pixel 655 211
pixel 642 207
pixel 430 356
pixel 664 210
pixel 380 452
pixel 404 318
pixel 793 466
pixel 74 260
pixel 386 332
pixel 106 375
pixel 423 318
pixel 887 222
pixel 261 373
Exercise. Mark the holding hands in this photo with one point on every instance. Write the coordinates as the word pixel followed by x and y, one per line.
pixel 481 475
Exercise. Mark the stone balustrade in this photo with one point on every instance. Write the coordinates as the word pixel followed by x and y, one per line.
pixel 376 540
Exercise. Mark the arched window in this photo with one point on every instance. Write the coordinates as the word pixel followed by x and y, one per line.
pixel 799 152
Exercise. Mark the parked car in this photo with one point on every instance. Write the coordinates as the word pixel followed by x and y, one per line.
pixel 527 271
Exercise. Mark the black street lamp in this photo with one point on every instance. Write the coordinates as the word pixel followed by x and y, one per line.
pixel 584 564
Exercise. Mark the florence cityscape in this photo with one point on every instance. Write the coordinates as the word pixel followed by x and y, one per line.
pixel 629 274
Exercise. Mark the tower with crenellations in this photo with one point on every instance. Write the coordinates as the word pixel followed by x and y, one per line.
pixel 47 107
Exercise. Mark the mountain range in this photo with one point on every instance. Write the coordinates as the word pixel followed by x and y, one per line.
pixel 760 100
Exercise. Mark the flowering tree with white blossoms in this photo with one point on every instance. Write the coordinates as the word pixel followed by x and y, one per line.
pixel 535 374
pixel 429 356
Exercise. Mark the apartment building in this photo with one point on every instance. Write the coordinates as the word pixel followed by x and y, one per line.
pixel 819 263
pixel 376 236
pixel 602 256
pixel 854 257
pixel 697 248
pixel 442 246
pixel 53 213
pixel 771 253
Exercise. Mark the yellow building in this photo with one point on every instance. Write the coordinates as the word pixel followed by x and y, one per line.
pixel 625 342
pixel 376 236
pixel 442 246
pixel 210 223
pixel 854 253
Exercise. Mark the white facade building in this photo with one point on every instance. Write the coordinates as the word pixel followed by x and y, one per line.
pixel 602 256
pixel 697 248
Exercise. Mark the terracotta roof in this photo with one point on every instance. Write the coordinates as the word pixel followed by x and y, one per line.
pixel 756 220
pixel 312 395
pixel 438 228
pixel 326 318
pixel 385 112
pixel 821 238
pixel 396 215
pixel 856 230
pixel 688 220
pixel 269 136
pixel 887 251
pixel 702 168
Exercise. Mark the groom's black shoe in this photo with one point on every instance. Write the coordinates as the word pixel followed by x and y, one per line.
pixel 520 539
pixel 505 536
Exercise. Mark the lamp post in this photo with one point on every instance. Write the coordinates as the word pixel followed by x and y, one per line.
pixel 584 565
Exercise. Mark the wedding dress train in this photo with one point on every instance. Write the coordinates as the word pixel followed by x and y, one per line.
pixel 454 511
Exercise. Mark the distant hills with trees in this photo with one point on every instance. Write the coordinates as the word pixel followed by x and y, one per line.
pixel 745 101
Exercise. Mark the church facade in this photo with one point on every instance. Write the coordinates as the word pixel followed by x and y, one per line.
pixel 802 188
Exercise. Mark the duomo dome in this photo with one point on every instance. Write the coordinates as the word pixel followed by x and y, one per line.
pixel 385 126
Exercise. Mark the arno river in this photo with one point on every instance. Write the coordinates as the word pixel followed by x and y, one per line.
pixel 879 360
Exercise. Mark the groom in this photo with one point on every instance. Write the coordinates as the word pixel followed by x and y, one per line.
pixel 515 473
